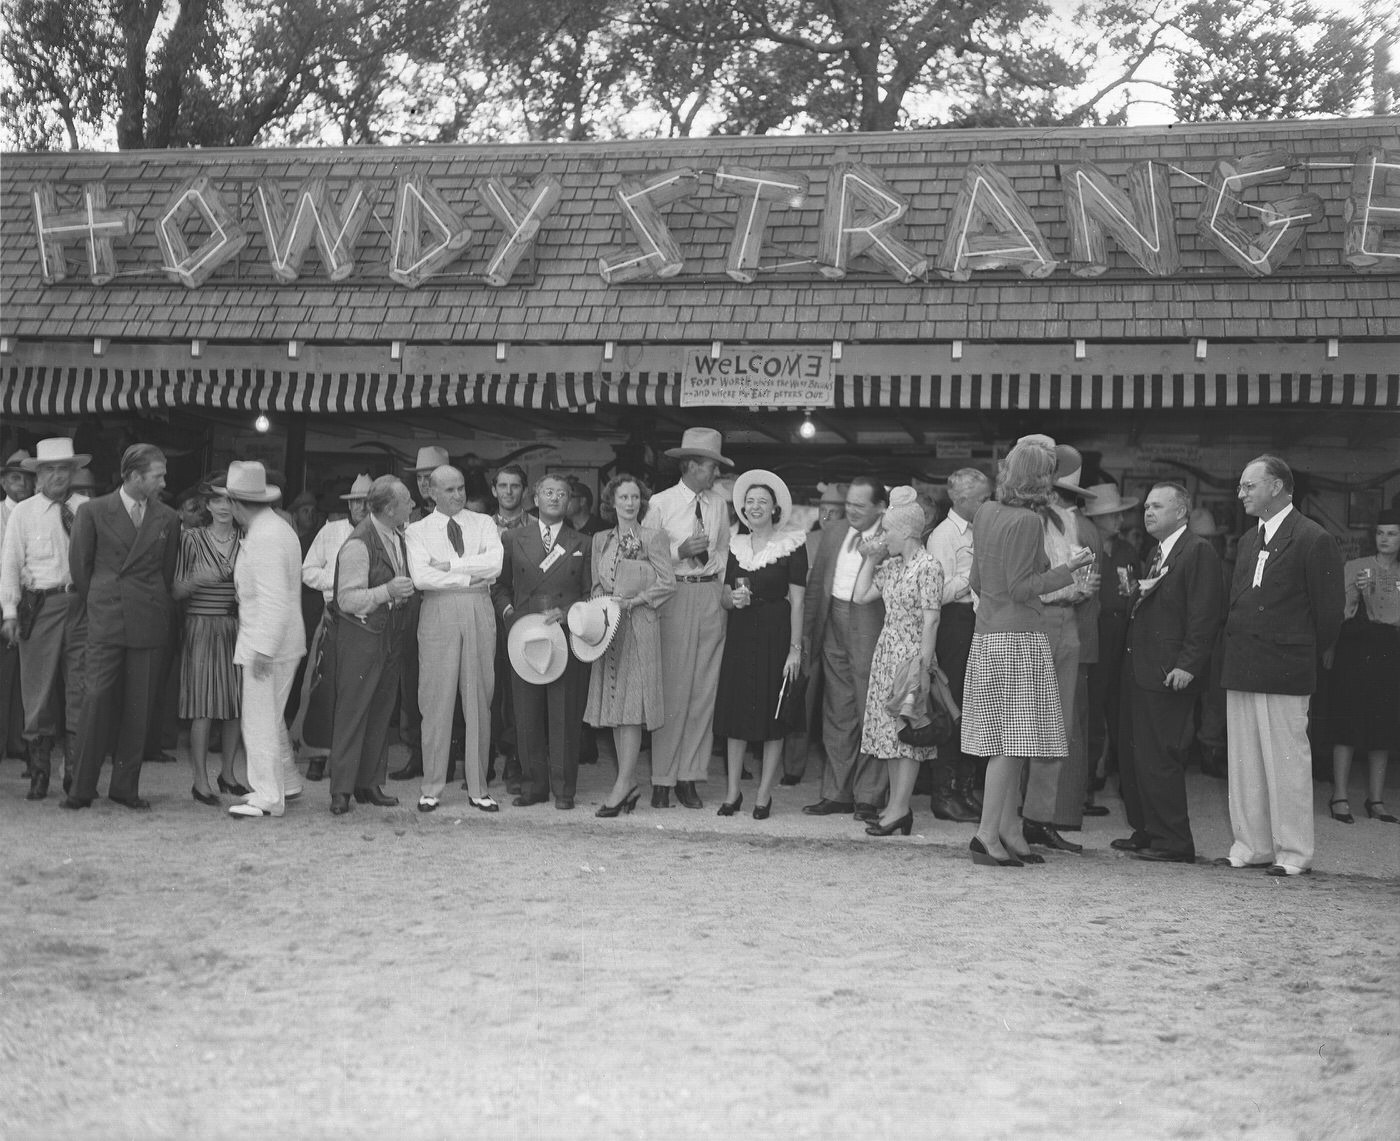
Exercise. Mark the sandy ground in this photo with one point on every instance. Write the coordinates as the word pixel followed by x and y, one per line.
pixel 547 974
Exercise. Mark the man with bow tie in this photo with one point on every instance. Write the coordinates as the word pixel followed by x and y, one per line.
pixel 1287 601
pixel 34 576
pixel 1175 618
pixel 454 556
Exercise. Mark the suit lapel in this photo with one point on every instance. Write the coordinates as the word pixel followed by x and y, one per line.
pixel 142 539
pixel 568 542
pixel 1246 555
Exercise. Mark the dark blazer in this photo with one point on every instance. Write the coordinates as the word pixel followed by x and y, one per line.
pixel 123 577
pixel 1275 632
pixel 1175 626
pixel 816 605
pixel 530 590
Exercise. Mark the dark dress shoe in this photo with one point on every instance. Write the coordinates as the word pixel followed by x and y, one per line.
pixel 660 796
pixel 686 794
pixel 1134 843
pixel 1045 835
pixel 787 780
pixel 340 804
pixel 866 812
pixel 525 799
pixel 563 803
pixel 376 797
pixel 38 787
pixel 1096 810
pixel 408 772
pixel 513 787
pixel 130 802
pixel 74 802
pixel 826 807
pixel 316 769
pixel 1163 856
pixel 233 788
pixel 206 798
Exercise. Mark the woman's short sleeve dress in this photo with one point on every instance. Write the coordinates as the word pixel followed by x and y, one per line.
pixel 908 587
pixel 210 684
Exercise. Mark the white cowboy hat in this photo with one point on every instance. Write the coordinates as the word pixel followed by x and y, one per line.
pixel 592 626
pixel 359 489
pixel 430 459
pixel 703 442
pixel 770 479
pixel 538 651
pixel 1069 465
pixel 246 481
pixel 1107 500
pixel 55 450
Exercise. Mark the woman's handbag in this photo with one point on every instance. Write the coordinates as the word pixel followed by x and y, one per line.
pixel 943 715
pixel 791 714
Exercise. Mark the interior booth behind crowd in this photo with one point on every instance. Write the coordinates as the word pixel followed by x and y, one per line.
pixel 1171 300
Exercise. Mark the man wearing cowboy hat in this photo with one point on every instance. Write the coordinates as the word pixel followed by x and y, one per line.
pixel 34 573
pixel 1118 572
pixel 271 638
pixel 546 568
pixel 122 557
pixel 695 518
pixel 16 485
pixel 318 573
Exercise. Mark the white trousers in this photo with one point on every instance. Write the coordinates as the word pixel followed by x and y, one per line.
pixel 272 772
pixel 1271 796
pixel 456 655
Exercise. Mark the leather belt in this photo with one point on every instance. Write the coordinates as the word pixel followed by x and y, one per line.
pixel 1060 602
pixel 696 577
pixel 69 589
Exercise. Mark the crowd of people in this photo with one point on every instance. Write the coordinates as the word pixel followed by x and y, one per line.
pixel 512 625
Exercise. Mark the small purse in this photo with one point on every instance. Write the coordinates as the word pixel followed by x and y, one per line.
pixel 791 714
pixel 943 715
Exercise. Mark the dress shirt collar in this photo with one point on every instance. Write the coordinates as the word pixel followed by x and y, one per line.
pixel 128 502
pixel 1271 525
pixel 1170 541
pixel 959 522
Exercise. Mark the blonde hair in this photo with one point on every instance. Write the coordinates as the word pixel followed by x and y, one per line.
pixel 1025 476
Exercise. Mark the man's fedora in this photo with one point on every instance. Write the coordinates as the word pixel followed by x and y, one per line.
pixel 430 459
pixel 1107 500
pixel 538 651
pixel 359 489
pixel 16 462
pixel 703 442
pixel 246 481
pixel 592 626
pixel 55 450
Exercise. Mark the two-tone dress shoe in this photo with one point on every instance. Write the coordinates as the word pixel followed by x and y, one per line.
pixel 1286 870
pixel 1164 856
pixel 427 804
pixel 484 803
pixel 1237 865
pixel 250 812
pixel 1134 843
pixel 825 807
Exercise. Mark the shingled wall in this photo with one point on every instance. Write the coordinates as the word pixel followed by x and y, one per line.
pixel 557 296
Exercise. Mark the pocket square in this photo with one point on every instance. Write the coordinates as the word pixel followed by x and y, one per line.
pixel 578 554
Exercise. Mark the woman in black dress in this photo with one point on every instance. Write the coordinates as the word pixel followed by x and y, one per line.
pixel 763 587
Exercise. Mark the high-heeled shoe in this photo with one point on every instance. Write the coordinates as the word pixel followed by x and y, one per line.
pixel 1372 805
pixel 233 788
pixel 1343 817
pixel 904 825
pixel 980 855
pixel 761 811
pixel 209 799
pixel 626 804
pixel 729 808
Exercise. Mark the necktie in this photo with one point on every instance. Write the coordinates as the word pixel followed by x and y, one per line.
pixel 1156 566
pixel 1263 537
pixel 853 540
pixel 402 568
pixel 547 534
pixel 454 536
pixel 138 512
pixel 65 514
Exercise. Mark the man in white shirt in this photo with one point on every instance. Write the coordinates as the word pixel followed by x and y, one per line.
pixel 838 638
pixel 695 518
pixel 16 485
pixel 454 556
pixel 955 780
pixel 34 568
pixel 318 573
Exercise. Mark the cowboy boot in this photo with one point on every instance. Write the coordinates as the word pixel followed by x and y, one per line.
pixel 945 801
pixel 965 782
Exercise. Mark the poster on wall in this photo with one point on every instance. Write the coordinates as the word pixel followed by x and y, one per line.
pixel 790 376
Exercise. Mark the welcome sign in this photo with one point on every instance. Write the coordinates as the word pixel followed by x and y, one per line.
pixel 792 376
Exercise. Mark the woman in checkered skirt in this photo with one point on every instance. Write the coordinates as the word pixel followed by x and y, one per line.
pixel 1011 704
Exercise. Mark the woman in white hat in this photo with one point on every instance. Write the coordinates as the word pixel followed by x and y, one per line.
pixel 764 583
pixel 210 688
pixel 911 585
pixel 632 565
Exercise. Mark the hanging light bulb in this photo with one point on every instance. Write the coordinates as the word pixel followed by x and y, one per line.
pixel 807 429
pixel 262 423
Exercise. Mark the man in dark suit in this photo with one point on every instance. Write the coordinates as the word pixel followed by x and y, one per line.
pixel 1286 605
pixel 1171 632
pixel 122 558
pixel 838 638
pixel 546 568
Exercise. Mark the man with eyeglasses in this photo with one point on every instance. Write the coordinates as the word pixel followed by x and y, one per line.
pixel 1285 609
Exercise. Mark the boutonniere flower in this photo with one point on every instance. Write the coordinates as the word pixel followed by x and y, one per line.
pixel 1147 585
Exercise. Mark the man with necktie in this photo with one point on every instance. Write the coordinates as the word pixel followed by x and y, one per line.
pixel 1175 617
pixel 1286 605
pixel 35 578
pixel 122 556
pixel 454 557
pixel 695 518
pixel 509 489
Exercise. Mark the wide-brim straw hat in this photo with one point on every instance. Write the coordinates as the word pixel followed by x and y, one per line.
pixel 360 488
pixel 1106 500
pixel 246 481
pixel 592 627
pixel 769 479
pixel 538 650
pixel 1069 466
pixel 430 459
pixel 703 442
pixel 15 462
pixel 55 450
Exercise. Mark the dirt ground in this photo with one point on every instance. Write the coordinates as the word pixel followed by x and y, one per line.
pixel 547 974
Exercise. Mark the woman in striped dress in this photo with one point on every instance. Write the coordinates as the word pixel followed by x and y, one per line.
pixel 209 682
pixel 1011 703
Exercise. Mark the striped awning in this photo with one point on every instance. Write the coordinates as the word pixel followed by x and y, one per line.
pixel 37 390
